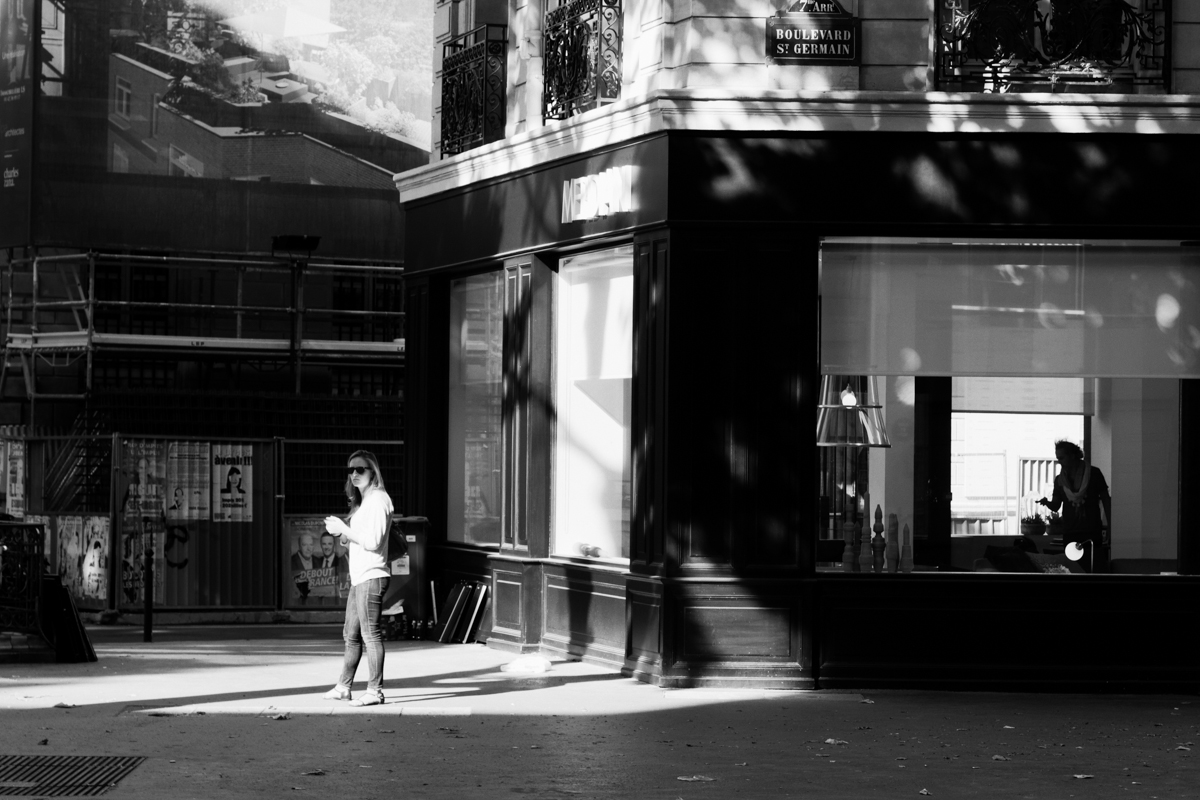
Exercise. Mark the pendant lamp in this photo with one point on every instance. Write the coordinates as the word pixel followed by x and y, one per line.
pixel 850 413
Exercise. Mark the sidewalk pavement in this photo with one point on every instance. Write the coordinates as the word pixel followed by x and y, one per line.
pixel 236 711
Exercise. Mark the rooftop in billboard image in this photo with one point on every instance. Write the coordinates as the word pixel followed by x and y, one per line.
pixel 329 92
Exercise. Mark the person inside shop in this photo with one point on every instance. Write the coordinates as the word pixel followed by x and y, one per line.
pixel 1081 492
pixel 366 539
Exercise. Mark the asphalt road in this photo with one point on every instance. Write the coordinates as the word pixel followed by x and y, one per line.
pixel 236 712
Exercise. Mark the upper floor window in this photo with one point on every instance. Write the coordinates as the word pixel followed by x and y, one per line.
pixel 124 98
pixel 581 57
pixel 184 165
pixel 474 70
pixel 1051 45
pixel 154 101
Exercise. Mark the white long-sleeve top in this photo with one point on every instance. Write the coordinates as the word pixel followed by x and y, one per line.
pixel 367 536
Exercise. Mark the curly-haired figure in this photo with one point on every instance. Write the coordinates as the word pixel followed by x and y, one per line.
pixel 1081 491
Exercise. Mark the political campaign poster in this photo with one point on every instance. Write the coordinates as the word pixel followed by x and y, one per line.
pixel 232 483
pixel 70 553
pixel 136 536
pixel 49 557
pixel 143 473
pixel 189 481
pixel 318 566
pixel 95 558
pixel 142 508
pixel 14 502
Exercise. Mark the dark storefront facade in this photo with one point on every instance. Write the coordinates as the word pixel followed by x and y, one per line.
pixel 616 361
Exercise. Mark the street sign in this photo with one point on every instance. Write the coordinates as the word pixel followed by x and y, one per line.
pixel 816 32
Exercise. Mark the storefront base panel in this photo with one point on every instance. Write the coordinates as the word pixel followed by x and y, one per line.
pixel 1007 632
pixel 719 632
pixel 516 603
pixel 564 610
pixel 584 613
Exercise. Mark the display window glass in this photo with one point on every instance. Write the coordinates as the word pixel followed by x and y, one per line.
pixel 474 500
pixel 594 371
pixel 1004 406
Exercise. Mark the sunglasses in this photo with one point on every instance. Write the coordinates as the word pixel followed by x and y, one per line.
pixel 359 470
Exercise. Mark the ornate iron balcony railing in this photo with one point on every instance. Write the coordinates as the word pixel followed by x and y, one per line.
pixel 581 57
pixel 474 77
pixel 1088 45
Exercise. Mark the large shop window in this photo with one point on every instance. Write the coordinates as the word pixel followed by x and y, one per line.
pixel 950 370
pixel 476 455
pixel 594 368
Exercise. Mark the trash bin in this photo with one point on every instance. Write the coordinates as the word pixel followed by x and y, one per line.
pixel 406 602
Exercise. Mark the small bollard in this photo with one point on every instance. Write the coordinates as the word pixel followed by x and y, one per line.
pixel 148 592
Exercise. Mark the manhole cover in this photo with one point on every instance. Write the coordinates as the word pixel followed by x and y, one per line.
pixel 62 776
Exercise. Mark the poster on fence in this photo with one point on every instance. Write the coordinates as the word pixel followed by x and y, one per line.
pixel 47 524
pixel 143 469
pixel 70 553
pixel 233 482
pixel 318 565
pixel 14 471
pixel 83 556
pixel 189 476
pixel 135 535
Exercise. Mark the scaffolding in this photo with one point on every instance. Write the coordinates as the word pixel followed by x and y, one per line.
pixel 285 311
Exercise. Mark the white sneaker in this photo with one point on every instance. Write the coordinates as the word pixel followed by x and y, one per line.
pixel 338 692
pixel 368 699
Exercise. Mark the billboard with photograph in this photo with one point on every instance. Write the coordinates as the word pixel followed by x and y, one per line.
pixel 17 69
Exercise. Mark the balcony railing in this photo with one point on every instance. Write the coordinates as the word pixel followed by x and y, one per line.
pixel 1076 45
pixel 474 76
pixel 582 57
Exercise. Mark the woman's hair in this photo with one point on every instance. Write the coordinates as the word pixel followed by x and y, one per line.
pixel 1070 447
pixel 353 496
pixel 229 478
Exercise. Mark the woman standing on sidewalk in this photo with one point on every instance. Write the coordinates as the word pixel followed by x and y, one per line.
pixel 366 538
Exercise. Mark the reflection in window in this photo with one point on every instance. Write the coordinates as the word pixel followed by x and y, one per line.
pixel 354 78
pixel 475 441
pixel 987 353
pixel 594 352
pixel 124 98
pixel 120 159
pixel 184 165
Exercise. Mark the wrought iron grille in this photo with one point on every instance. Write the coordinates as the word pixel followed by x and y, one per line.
pixel 63 776
pixel 1074 45
pixel 581 57
pixel 21 557
pixel 474 77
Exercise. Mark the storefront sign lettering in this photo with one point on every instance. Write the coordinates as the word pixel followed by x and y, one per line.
pixel 596 196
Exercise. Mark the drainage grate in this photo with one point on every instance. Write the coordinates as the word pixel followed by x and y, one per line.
pixel 63 776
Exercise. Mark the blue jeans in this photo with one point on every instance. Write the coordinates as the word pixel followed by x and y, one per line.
pixel 364 609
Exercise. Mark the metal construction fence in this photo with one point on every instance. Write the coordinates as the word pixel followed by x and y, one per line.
pixel 219 516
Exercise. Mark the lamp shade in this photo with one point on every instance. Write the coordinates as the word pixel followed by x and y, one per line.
pixel 1074 551
pixel 850 413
